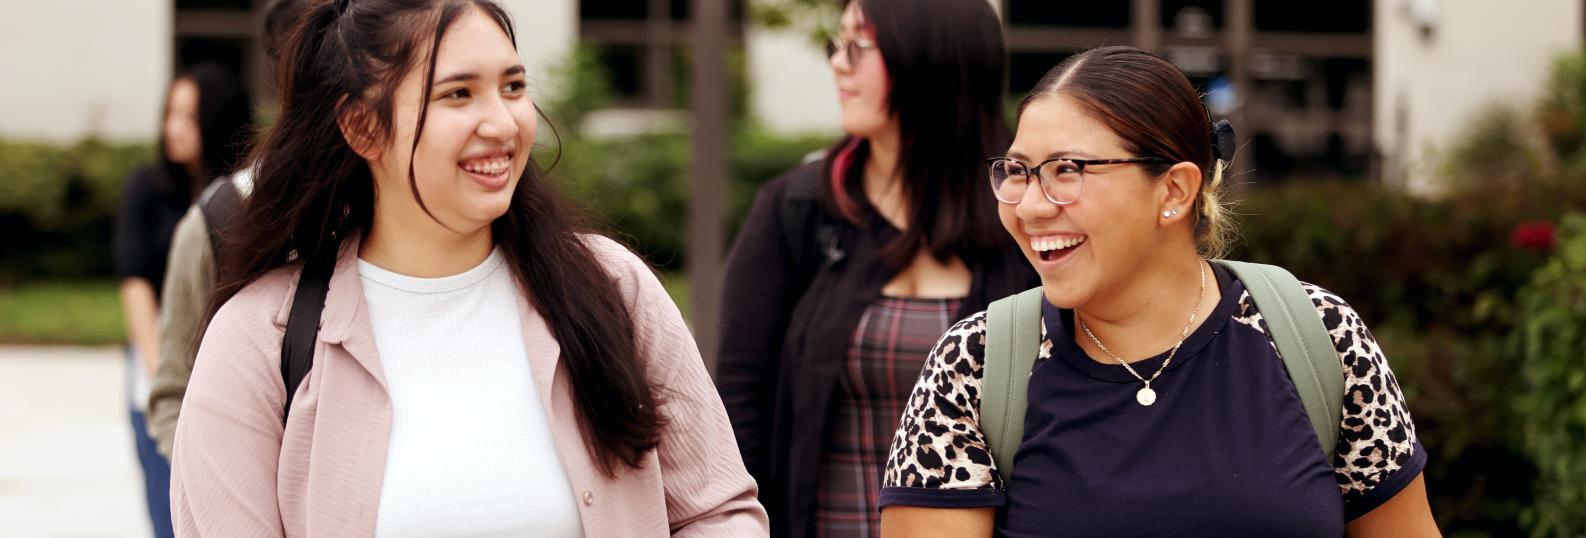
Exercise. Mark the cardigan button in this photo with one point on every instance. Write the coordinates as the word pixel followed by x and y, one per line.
pixel 589 498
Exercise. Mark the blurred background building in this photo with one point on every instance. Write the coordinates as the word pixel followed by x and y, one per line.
pixel 1351 87
pixel 101 67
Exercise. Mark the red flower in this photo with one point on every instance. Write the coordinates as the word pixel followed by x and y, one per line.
pixel 1536 237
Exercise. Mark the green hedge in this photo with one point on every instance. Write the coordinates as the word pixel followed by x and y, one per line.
pixel 57 207
pixel 1435 280
pixel 638 187
pixel 57 204
pixel 1476 305
pixel 1551 405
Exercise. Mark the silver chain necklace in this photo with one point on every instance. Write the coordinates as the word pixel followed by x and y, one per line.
pixel 1147 396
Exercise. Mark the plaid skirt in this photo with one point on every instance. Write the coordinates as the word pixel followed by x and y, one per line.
pixel 884 360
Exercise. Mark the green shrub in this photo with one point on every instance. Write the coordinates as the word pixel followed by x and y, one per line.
pixel 579 85
pixel 1435 280
pixel 1551 404
pixel 1495 149
pixel 637 187
pixel 58 204
pixel 31 181
pixel 1561 111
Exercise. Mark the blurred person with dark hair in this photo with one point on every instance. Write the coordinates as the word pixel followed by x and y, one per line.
pixel 278 18
pixel 208 118
pixel 190 269
pixel 847 269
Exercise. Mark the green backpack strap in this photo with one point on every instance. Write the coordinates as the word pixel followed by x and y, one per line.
pixel 1013 339
pixel 1302 341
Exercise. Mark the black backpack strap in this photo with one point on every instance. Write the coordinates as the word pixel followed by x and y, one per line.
pixel 302 324
pixel 796 214
pixel 811 234
pixel 217 204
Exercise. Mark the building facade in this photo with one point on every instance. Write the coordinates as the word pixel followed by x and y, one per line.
pixel 84 67
pixel 1346 88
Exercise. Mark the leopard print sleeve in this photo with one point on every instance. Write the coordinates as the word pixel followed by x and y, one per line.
pixel 1378 453
pixel 938 450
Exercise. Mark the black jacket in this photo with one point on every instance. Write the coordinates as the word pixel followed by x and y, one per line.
pixel 787 317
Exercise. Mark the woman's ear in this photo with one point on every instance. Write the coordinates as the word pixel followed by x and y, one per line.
pixel 1181 187
pixel 356 129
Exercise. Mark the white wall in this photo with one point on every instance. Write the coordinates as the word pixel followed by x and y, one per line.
pixel 1479 52
pixel 791 86
pixel 547 31
pixel 78 67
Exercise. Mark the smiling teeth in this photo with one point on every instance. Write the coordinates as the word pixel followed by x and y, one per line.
pixel 1043 245
pixel 493 167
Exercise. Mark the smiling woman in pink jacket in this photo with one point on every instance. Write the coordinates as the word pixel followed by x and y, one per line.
pixel 482 366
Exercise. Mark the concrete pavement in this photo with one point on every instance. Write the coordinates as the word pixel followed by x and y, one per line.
pixel 67 464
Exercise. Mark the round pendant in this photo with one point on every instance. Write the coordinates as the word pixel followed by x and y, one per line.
pixel 1146 396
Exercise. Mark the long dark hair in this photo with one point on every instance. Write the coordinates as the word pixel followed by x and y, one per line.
pixel 947 63
pixel 225 128
pixel 1156 112
pixel 343 60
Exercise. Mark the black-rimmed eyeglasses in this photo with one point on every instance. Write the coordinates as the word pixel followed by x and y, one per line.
pixel 1061 180
pixel 852 49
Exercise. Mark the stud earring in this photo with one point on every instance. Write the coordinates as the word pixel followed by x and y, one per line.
pixel 1170 213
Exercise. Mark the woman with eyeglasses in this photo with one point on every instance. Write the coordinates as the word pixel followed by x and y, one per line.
pixel 1157 400
pixel 848 268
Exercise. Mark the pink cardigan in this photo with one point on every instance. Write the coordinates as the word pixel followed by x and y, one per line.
pixel 237 472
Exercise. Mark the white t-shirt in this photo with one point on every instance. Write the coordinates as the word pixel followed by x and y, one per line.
pixel 471 452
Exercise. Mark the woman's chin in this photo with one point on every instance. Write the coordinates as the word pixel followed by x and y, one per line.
pixel 1064 289
pixel 861 124
pixel 481 213
pixel 1059 295
pixel 490 214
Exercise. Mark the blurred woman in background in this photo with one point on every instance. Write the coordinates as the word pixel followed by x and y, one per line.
pixel 847 269
pixel 208 122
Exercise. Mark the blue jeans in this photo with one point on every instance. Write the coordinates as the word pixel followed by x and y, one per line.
pixel 156 473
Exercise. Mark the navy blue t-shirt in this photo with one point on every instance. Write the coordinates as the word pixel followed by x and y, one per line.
pixel 1225 450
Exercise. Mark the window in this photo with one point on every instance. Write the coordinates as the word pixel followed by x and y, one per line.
pixel 239 5
pixel 1306 106
pixel 228 52
pixel 1084 13
pixel 1336 17
pixel 637 43
pixel 622 63
pixel 612 9
pixel 1176 13
pixel 1026 68
pixel 221 32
